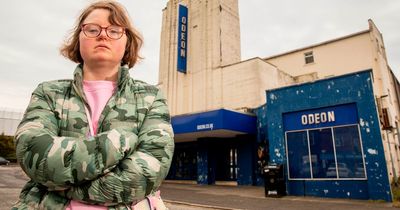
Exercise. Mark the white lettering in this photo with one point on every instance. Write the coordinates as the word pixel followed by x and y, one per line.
pixel 205 126
pixel 310 119
pixel 331 116
pixel 183 33
pixel 183 53
pixel 317 118
pixel 323 117
pixel 303 119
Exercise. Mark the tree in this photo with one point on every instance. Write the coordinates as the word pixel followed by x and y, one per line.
pixel 7 147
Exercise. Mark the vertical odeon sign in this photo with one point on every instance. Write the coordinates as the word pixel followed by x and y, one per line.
pixel 182 37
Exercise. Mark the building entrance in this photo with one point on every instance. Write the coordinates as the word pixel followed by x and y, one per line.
pixel 223 160
pixel 226 164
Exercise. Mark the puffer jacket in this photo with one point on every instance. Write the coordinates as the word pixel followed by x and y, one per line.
pixel 126 161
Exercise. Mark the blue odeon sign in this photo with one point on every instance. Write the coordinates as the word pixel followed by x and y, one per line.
pixel 322 117
pixel 182 37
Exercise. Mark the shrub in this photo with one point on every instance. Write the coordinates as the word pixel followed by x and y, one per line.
pixel 7 147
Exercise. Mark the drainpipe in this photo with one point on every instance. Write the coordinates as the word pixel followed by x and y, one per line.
pixel 391 156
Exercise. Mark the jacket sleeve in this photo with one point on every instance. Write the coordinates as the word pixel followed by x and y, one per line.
pixel 142 172
pixel 58 162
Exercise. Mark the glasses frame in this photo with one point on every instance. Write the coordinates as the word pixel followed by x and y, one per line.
pixel 101 29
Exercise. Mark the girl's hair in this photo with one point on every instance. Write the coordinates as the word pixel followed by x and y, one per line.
pixel 118 16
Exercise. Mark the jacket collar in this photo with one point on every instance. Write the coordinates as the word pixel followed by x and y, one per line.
pixel 123 76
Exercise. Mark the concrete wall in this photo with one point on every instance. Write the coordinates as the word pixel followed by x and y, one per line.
pixel 330 59
pixel 244 83
pixel 213 41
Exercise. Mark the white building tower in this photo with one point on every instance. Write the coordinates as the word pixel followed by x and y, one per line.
pixel 209 38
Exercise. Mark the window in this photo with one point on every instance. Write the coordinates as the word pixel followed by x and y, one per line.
pixel 298 158
pixel 325 153
pixel 309 57
pixel 322 153
pixel 348 153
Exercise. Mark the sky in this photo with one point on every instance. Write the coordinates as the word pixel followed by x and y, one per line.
pixel 31 33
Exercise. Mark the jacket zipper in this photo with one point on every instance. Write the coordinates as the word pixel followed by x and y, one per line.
pixel 88 110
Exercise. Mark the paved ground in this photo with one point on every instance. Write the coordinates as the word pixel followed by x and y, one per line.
pixel 11 181
pixel 196 197
pixel 252 198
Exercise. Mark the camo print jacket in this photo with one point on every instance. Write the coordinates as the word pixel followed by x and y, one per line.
pixel 124 162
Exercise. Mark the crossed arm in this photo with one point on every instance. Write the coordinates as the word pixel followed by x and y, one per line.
pixel 116 166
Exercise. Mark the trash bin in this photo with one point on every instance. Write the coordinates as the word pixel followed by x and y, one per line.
pixel 274 181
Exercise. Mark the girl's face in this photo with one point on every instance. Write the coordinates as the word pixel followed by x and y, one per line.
pixel 101 49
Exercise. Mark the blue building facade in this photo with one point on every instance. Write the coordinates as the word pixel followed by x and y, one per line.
pixel 325 133
pixel 327 136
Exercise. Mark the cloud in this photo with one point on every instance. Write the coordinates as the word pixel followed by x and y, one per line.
pixel 273 27
pixel 32 32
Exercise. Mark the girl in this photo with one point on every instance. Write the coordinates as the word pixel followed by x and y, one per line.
pixel 101 140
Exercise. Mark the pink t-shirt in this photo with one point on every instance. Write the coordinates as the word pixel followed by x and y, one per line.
pixel 97 94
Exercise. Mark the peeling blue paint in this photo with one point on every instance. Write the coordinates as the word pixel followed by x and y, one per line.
pixel 202 165
pixel 351 88
pixel 372 152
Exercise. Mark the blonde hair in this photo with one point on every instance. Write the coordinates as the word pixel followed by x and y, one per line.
pixel 118 16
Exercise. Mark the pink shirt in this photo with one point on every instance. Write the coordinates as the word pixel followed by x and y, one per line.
pixel 97 94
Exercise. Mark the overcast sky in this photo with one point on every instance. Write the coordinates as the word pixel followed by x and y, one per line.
pixel 31 33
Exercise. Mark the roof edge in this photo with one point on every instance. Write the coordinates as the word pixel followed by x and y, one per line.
pixel 319 44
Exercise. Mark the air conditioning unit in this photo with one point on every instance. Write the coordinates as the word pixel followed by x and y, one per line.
pixel 387 122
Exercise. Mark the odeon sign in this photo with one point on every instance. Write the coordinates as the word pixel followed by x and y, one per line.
pixel 317 118
pixel 182 43
pixel 342 114
pixel 182 37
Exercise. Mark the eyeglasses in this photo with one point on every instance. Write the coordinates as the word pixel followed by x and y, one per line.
pixel 93 30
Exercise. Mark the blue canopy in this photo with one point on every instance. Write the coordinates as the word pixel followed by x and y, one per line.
pixel 217 123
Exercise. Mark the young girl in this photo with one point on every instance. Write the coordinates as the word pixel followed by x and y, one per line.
pixel 101 140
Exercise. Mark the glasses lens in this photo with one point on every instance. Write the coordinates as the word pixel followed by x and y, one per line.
pixel 91 30
pixel 115 32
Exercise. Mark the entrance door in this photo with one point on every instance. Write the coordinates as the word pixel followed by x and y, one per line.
pixel 226 163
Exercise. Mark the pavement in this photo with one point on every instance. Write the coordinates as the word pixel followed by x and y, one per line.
pixel 252 198
pixel 179 196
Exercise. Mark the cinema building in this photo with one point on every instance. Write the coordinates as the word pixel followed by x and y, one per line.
pixel 328 113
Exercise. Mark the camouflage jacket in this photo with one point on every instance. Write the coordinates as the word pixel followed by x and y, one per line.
pixel 127 159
